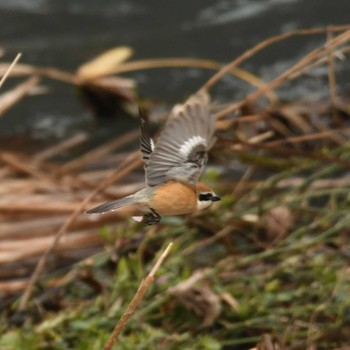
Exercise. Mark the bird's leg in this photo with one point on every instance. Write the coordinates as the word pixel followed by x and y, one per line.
pixel 151 218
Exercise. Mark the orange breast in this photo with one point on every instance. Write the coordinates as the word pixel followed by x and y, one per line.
pixel 174 198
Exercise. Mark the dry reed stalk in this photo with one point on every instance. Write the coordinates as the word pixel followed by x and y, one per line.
pixel 57 74
pixel 338 139
pixel 47 226
pixel 308 59
pixel 292 182
pixel 27 69
pixel 13 286
pixel 21 186
pixel 38 208
pixel 277 125
pixel 310 137
pixel 227 124
pixel 339 53
pixel 91 178
pixel 332 78
pixel 97 153
pixel 125 190
pixel 262 45
pixel 60 147
pixel 191 63
pixel 10 98
pixel 25 186
pixel 292 152
pixel 20 250
pixel 9 69
pixel 136 300
pixel 38 226
pixel 70 168
pixel 130 163
pixel 25 166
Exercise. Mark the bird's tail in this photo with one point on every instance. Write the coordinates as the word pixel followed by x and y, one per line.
pixel 114 205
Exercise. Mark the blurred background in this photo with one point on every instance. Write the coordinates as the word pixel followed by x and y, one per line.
pixel 272 257
pixel 64 34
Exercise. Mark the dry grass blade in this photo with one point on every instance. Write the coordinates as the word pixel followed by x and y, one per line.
pixel 289 152
pixel 309 137
pixel 283 219
pixel 251 52
pixel 11 287
pixel 9 98
pixel 332 79
pixel 26 69
pixel 192 63
pixel 128 165
pixel 23 165
pixel 60 147
pixel 136 300
pixel 9 69
pixel 97 153
pixel 22 249
pixel 311 57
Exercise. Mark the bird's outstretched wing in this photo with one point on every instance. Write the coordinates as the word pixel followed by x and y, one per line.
pixel 181 149
pixel 146 142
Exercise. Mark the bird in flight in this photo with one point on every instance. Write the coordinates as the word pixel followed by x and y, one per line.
pixel 174 164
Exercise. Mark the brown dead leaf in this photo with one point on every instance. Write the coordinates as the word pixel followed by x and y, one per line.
pixel 270 342
pixel 277 222
pixel 195 294
pixel 231 301
pixel 104 64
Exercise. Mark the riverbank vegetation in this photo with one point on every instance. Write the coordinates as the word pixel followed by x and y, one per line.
pixel 265 268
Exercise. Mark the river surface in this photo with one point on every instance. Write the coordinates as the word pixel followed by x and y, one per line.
pixel 66 33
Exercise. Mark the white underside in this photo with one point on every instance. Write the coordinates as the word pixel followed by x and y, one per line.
pixel 203 204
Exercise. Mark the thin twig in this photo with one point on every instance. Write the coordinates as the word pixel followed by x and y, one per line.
pixel 136 300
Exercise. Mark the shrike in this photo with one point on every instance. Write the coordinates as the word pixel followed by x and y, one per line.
pixel 174 164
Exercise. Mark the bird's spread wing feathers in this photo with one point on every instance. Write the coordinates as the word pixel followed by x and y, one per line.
pixel 146 142
pixel 181 149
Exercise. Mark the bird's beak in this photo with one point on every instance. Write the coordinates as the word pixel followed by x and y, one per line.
pixel 215 198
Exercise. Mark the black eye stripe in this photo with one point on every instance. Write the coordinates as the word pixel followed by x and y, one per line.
pixel 205 196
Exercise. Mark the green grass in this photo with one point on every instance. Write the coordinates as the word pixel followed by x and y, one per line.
pixel 296 286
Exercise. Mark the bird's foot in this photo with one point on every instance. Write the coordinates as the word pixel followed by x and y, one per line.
pixel 151 218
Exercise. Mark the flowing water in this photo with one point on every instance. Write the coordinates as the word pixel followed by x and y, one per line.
pixel 66 33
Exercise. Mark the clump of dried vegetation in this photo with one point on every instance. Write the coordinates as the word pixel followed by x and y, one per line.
pixel 267 268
